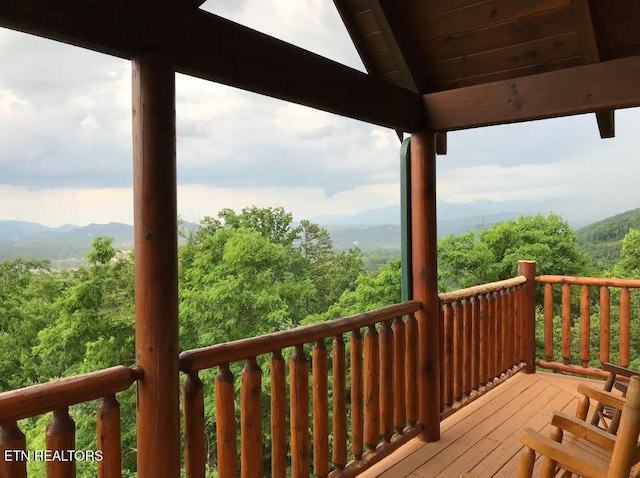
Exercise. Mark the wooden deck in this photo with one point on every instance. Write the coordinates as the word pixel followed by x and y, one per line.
pixel 484 436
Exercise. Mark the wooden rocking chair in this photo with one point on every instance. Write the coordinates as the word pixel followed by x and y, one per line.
pixel 566 459
pixel 574 459
pixel 607 411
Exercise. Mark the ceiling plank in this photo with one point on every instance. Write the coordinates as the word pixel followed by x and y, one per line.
pixel 213 48
pixel 581 89
pixel 591 54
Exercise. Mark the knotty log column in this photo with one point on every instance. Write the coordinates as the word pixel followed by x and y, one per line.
pixel 156 283
pixel 528 269
pixel 425 280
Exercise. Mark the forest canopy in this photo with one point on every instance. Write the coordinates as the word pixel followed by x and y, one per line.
pixel 240 274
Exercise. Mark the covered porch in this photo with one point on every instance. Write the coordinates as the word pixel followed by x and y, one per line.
pixel 455 371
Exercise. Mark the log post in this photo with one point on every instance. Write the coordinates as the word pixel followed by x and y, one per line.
pixel 425 280
pixel 528 269
pixel 156 265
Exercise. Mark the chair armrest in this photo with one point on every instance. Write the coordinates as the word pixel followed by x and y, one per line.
pixel 585 430
pixel 625 372
pixel 606 398
pixel 570 458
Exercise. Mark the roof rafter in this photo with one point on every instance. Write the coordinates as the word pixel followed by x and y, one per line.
pixel 213 48
pixel 590 54
pixel 582 89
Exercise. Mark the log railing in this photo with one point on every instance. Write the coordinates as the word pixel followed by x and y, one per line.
pixel 57 397
pixel 373 370
pixel 571 320
pixel 483 330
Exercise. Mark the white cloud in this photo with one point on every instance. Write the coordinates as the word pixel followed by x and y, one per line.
pixel 65 144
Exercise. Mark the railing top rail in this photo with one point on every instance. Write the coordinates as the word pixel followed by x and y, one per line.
pixel 208 357
pixel 45 397
pixel 592 281
pixel 469 292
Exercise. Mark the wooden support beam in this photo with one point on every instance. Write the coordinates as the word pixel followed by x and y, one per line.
pixel 156 266
pixel 591 54
pixel 213 48
pixel 606 123
pixel 425 280
pixel 441 143
pixel 582 89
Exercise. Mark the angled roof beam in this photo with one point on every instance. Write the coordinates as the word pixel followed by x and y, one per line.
pixel 590 54
pixel 213 48
pixel 403 49
pixel 582 89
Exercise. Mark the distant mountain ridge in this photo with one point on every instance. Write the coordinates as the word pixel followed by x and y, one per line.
pixel 375 229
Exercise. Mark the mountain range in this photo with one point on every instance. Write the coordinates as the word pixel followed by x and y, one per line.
pixel 374 229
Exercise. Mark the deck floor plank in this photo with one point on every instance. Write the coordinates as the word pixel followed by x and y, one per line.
pixel 484 436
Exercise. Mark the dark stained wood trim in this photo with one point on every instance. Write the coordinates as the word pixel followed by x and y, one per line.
pixel 213 48
pixel 441 143
pixel 582 89
pixel 591 54
pixel 606 123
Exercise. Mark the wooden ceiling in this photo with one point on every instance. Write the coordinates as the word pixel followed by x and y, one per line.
pixel 439 45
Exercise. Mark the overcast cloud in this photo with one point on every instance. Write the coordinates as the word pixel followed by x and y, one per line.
pixel 65 140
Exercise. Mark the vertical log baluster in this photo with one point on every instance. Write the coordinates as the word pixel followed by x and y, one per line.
pixel 193 415
pixel 357 394
pixel 411 370
pixel 339 404
pixel 251 420
pixel 503 297
pixel 320 410
pixel 522 327
pixel 566 324
pixel 299 395
pixel 467 347
pixel 61 436
pixel 443 365
pixel 448 355
pixel 475 343
pixel 518 354
pixel 108 438
pixel 484 338
pixel 605 324
pixel 278 416
pixel 399 402
pixel 371 389
pixel 507 313
pixel 548 322
pixel 11 438
pixel 497 350
pixel 513 321
pixel 625 326
pixel 226 423
pixel 458 352
pixel 585 325
pixel 491 319
pixel 386 381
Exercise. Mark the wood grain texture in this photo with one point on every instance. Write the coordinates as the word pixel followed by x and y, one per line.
pixel 299 413
pixel 279 446
pixel 194 425
pixel 60 437
pixel 156 265
pixel 581 89
pixel 226 423
pixel 339 456
pixel 425 279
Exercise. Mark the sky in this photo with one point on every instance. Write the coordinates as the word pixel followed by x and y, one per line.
pixel 65 140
